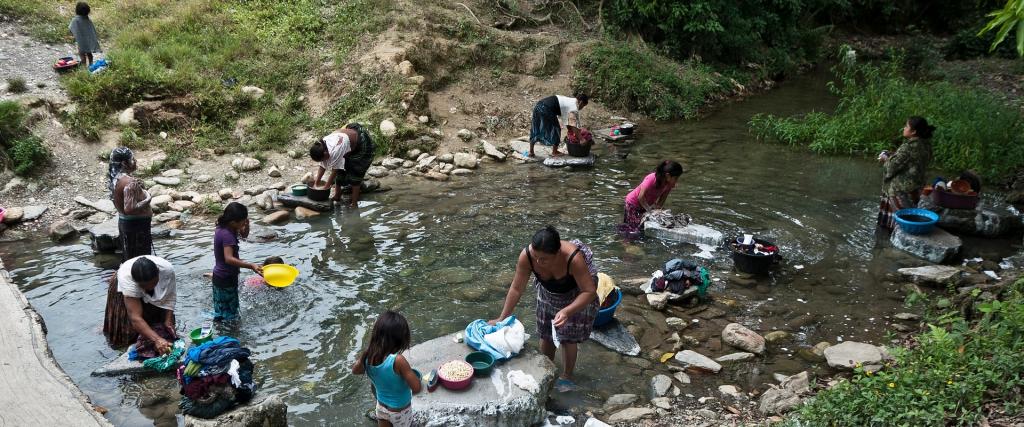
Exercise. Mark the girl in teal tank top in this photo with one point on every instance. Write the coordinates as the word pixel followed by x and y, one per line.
pixel 392 378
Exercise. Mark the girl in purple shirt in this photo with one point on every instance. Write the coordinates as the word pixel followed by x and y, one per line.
pixel 651 193
pixel 234 222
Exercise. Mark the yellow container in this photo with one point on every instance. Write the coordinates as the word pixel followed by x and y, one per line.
pixel 280 275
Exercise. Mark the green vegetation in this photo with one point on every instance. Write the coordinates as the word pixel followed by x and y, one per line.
pixel 16 85
pixel 634 78
pixel 25 151
pixel 1009 18
pixel 976 130
pixel 958 372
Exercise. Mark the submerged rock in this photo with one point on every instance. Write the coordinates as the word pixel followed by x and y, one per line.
pixel 619 401
pixel 492 401
pixel 933 274
pixel 614 336
pixel 265 411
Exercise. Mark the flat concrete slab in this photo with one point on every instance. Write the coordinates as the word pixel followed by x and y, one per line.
pixel 938 246
pixel 489 402
pixel 693 233
pixel 34 390
pixel 520 146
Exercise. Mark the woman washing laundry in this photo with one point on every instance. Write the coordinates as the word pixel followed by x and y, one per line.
pixel 651 193
pixel 553 113
pixel 904 171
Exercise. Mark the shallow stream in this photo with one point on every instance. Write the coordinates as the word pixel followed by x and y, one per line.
pixel 443 254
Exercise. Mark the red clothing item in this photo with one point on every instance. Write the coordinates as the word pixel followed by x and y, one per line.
pixel 651 193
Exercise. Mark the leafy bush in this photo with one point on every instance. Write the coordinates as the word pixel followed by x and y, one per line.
pixel 956 374
pixel 28 153
pixel 630 77
pixel 12 122
pixel 975 130
pixel 732 32
pixel 16 85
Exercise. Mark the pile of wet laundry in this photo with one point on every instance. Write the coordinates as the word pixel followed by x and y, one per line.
pixel 215 377
pixel 666 219
pixel 679 275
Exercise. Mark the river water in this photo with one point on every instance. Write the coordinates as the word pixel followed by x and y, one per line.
pixel 443 254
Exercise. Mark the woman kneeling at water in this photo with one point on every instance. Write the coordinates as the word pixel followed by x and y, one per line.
pixel 566 282
pixel 651 193
pixel 147 285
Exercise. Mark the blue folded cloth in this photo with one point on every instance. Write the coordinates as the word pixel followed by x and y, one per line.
pixel 476 330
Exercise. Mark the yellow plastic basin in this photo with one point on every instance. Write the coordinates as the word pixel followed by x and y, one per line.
pixel 279 275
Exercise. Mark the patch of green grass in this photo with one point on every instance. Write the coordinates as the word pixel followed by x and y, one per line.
pixel 16 85
pixel 12 121
pixel 631 77
pixel 975 129
pixel 958 373
pixel 24 151
pixel 372 98
pixel 28 154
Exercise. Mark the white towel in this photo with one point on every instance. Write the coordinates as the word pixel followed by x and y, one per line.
pixel 524 381
pixel 508 340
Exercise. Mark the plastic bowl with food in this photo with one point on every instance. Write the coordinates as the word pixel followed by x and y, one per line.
pixel 455 374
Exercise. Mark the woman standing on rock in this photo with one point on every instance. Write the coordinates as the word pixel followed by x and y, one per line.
pixel 566 282
pixel 347 154
pixel 546 127
pixel 134 228
pixel 904 171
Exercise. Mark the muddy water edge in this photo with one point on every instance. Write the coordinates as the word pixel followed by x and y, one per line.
pixel 443 255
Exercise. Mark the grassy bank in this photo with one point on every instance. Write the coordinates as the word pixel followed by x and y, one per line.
pixel 960 372
pixel 200 54
pixel 632 77
pixel 976 130
pixel 19 149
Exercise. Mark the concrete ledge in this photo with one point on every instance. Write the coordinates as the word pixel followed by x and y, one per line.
pixel 268 411
pixel 490 401
pixel 35 390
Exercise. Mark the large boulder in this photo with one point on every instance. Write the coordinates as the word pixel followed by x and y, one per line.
pixel 850 354
pixel 938 246
pixel 492 401
pixel 778 401
pixel 740 337
pixel 988 219
pixel 265 411
pixel 61 231
pixel 466 160
pixel 102 205
pixel 105 237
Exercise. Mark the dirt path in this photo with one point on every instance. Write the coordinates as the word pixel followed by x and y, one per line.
pixel 29 59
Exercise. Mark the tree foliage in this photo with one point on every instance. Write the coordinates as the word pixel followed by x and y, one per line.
pixel 1009 18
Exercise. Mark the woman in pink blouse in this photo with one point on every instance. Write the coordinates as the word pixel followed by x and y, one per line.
pixel 651 193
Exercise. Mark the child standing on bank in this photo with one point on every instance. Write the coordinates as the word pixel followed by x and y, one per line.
pixel 85 33
pixel 234 222
pixel 391 376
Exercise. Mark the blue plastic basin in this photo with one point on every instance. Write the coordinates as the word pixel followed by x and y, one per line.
pixel 909 220
pixel 605 315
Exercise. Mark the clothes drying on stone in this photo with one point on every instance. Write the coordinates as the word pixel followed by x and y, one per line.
pixel 679 275
pixel 168 361
pixel 215 377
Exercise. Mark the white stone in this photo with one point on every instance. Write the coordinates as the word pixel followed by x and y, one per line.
pixel 690 358
pixel 253 91
pixel 203 179
pixel 424 119
pixel 172 172
pixel 682 377
pixel 740 337
pixel 658 300
pixel 169 182
pixel 33 212
pixel 461 172
pixel 274 172
pixel 466 160
pixel 225 193
pixel 378 171
pixel 246 164
pixel 231 176
pixel 630 415
pixel 127 117
pixel 405 68
pixel 619 401
pixel 388 128
pixel 662 402
pixel 660 385
pixel 675 323
pixel 730 391
pixel 734 358
pixel 160 203
pixel 392 163
pixel 849 354
pixel 933 274
pixel 492 151
pixel 465 134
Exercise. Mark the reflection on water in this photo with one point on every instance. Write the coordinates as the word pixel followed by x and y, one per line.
pixel 443 254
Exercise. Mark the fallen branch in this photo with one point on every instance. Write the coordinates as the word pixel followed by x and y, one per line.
pixel 471 13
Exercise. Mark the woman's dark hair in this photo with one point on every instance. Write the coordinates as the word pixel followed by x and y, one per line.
pixel 234 211
pixel 664 169
pixel 921 127
pixel 972 178
pixel 318 151
pixel 144 270
pixel 390 335
pixel 82 9
pixel 582 98
pixel 547 240
pixel 273 260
